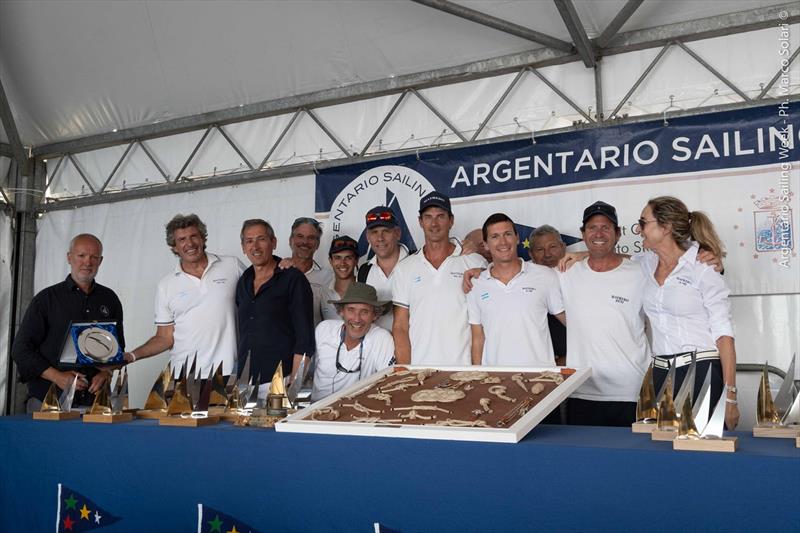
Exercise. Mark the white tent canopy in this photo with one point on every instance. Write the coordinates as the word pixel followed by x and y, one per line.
pixel 130 100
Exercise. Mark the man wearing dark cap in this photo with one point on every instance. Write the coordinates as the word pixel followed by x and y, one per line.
pixel 352 346
pixel 383 235
pixel 430 308
pixel 603 301
pixel 343 255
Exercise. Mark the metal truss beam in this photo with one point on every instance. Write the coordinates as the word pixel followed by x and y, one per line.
pixel 384 122
pixel 236 149
pixel 640 79
pixel 439 115
pixel 497 23
pixel 622 43
pixel 777 75
pixel 5 150
pixel 10 126
pixel 619 20
pixel 499 102
pixel 598 91
pixel 563 96
pixel 275 145
pixel 116 167
pixel 328 132
pixel 309 168
pixel 714 71
pixel 705 28
pixel 576 30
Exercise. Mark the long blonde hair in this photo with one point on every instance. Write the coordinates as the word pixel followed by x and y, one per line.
pixel 686 226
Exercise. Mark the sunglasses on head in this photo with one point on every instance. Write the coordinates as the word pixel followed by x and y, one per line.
pixel 385 216
pixel 305 220
pixel 343 243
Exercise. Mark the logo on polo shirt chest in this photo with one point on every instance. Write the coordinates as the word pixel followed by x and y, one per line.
pixel 418 279
pixel 528 290
pixel 485 296
pixel 459 275
pixel 683 281
pixel 219 280
pixel 619 299
pixel 105 311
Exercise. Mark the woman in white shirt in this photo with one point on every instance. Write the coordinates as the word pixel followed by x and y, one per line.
pixel 686 301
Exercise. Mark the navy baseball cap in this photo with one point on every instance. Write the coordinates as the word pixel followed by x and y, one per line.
pixel 435 199
pixel 381 216
pixel 340 244
pixel 601 208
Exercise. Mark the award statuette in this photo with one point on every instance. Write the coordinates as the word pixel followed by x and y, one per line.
pixel 646 408
pixel 277 401
pixel 156 404
pixel 779 418
pixel 669 418
pixel 106 410
pixel 181 410
pixel 709 439
pixel 55 408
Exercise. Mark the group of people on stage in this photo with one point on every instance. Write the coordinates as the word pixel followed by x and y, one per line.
pixel 444 305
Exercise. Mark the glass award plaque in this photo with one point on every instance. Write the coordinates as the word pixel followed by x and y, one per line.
pixel 91 344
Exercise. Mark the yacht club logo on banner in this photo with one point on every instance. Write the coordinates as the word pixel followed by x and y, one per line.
pixel 398 187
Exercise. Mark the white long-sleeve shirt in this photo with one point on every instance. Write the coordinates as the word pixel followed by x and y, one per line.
pixel 691 310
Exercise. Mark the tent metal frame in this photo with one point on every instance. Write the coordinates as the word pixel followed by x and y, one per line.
pixel 22 189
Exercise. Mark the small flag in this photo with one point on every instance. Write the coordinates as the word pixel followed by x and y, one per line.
pixel 78 513
pixel 209 520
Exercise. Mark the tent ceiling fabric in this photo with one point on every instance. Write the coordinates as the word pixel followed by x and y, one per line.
pixel 73 68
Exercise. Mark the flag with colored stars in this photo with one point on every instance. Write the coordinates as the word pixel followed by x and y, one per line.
pixel 78 513
pixel 209 520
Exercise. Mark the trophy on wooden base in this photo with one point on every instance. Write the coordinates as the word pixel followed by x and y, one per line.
pixel 182 411
pixel 778 418
pixel 709 438
pixel 58 408
pixel 277 401
pixel 667 418
pixel 107 407
pixel 646 406
pixel 156 404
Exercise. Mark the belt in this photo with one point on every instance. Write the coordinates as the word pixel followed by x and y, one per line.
pixel 682 359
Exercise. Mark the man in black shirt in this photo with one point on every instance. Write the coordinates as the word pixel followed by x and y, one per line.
pixel 40 339
pixel 274 306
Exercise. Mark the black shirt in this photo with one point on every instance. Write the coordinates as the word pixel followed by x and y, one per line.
pixel 40 338
pixel 276 323
pixel 558 336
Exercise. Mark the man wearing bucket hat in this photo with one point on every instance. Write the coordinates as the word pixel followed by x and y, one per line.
pixel 352 347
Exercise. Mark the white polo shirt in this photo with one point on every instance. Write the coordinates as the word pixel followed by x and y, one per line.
pixel 203 312
pixel 438 326
pixel 691 310
pixel 319 278
pixel 606 329
pixel 514 316
pixel 375 353
pixel 383 285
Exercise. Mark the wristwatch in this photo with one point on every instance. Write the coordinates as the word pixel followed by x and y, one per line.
pixel 731 388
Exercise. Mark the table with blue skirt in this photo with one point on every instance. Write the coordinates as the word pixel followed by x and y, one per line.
pixel 559 478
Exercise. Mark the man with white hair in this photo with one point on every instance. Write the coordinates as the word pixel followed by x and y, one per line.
pixel 41 335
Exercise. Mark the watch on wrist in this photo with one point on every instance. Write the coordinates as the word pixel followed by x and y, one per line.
pixel 731 388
